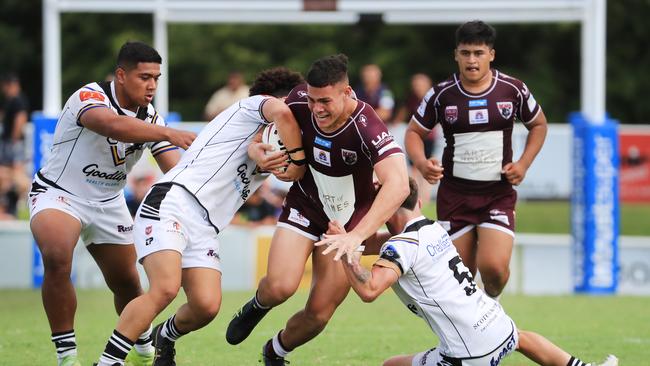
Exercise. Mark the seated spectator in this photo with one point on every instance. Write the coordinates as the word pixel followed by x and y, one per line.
pixel 373 92
pixel 234 90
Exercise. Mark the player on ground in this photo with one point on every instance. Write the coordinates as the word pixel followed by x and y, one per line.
pixel 477 108
pixel 100 135
pixel 428 276
pixel 177 224
pixel 345 142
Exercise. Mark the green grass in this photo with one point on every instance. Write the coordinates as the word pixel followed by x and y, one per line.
pixel 359 334
pixel 554 217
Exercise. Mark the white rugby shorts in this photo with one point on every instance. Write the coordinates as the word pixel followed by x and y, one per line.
pixel 170 218
pixel 101 222
pixel 433 357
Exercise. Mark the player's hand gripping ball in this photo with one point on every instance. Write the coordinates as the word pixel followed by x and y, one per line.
pixel 271 136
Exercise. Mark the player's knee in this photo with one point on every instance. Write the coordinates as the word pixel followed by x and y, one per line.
pixel 206 309
pixel 163 295
pixel 127 286
pixel 280 291
pixel 495 281
pixel 319 317
pixel 56 262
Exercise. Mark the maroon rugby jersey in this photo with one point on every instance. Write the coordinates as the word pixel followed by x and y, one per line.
pixel 339 177
pixel 477 129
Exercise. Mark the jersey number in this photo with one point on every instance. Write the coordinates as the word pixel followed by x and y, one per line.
pixel 461 273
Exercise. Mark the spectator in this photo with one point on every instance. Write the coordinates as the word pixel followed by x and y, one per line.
pixel 234 90
pixel 138 185
pixel 420 85
pixel 373 92
pixel 12 139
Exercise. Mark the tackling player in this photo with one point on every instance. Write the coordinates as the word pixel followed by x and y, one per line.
pixel 177 225
pixel 426 273
pixel 345 144
pixel 477 108
pixel 101 133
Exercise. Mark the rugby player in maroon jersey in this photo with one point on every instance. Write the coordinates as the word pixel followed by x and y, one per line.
pixel 345 142
pixel 477 108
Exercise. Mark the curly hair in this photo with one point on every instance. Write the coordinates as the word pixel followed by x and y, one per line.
pixel 277 82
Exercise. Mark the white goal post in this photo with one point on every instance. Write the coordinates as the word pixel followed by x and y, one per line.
pixel 591 14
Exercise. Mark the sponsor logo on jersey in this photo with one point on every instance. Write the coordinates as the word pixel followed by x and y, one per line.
pixel 451 113
pixel 382 139
pixel 505 109
pixel 507 349
pixel 322 156
pixel 212 253
pixel 525 90
pixel 389 252
pixel 478 103
pixel 63 200
pixel 242 181
pixel 124 229
pixel 478 116
pixel 91 170
pixel 349 156
pixel 501 216
pixel 322 142
pixel 148 230
pixel 298 218
pixel 148 241
pixel 85 95
pixel 302 93
pixel 175 227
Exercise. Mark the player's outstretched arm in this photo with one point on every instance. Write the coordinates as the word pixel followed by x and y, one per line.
pixel 392 175
pixel 515 172
pixel 430 168
pixel 128 129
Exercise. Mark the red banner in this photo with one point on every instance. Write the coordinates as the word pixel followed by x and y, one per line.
pixel 635 165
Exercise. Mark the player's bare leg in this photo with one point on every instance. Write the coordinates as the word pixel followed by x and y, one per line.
pixel 56 234
pixel 117 263
pixel 286 263
pixel 544 352
pixel 202 287
pixel 164 273
pixel 401 360
pixel 493 259
pixel 467 249
pixel 329 288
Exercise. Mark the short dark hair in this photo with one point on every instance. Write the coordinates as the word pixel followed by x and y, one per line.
pixel 9 77
pixel 476 32
pixel 412 199
pixel 277 82
pixel 328 70
pixel 133 52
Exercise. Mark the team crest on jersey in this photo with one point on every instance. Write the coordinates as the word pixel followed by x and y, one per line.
pixel 478 116
pixel 302 93
pixel 363 120
pixel 85 95
pixel 389 253
pixel 505 109
pixel 322 156
pixel 349 156
pixel 451 113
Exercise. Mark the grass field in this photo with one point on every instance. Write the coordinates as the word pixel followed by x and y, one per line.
pixel 359 334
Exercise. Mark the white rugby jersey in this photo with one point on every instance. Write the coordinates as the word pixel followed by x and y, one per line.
pixel 85 163
pixel 216 168
pixel 436 286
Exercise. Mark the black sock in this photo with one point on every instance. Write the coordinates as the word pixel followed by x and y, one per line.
pixel 117 347
pixel 65 343
pixel 576 362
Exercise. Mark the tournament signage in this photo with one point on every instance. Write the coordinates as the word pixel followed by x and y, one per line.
pixel 595 205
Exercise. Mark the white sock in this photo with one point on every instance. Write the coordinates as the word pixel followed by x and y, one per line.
pixel 143 345
pixel 277 346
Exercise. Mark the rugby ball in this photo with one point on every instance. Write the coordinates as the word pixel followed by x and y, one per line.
pixel 271 136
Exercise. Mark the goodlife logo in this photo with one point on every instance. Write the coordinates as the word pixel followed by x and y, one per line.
pixel 91 171
pixel 603 211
